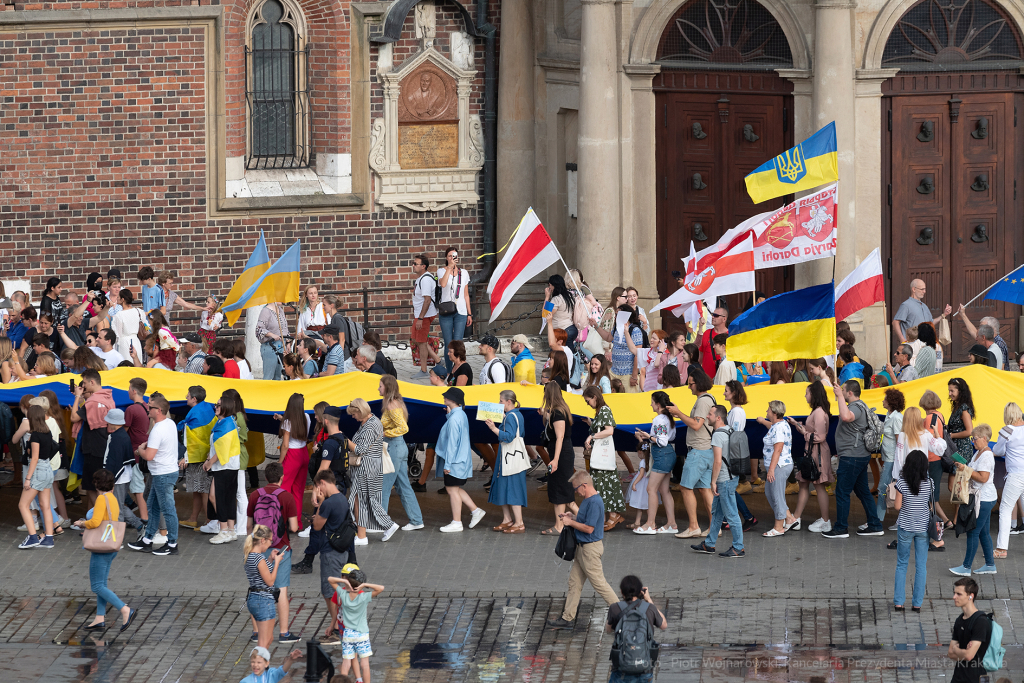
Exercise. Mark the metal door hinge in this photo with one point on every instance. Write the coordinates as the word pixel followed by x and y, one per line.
pixel 889 274
pixel 890 194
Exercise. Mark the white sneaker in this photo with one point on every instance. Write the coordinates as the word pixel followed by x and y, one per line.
pixel 210 528
pixel 451 527
pixel 477 515
pixel 894 527
pixel 412 527
pixel 222 537
pixel 159 539
pixel 375 531
pixel 362 541
pixel 390 532
pixel 826 526
pixel 863 527
pixel 234 535
pixel 305 532
pixel 815 526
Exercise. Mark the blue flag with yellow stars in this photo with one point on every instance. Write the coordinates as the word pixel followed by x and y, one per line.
pixel 1010 288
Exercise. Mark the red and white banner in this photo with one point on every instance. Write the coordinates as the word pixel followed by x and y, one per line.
pixel 861 288
pixel 529 253
pixel 731 272
pixel 802 231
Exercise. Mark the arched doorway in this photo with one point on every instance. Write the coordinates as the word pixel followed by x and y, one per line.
pixel 951 212
pixel 722 111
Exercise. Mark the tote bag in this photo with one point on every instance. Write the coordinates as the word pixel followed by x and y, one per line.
pixel 513 455
pixel 106 538
pixel 602 454
pixel 388 466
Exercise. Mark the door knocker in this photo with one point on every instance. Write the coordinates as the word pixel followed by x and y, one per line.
pixel 698 233
pixel 698 182
pixel 927 133
pixel 980 233
pixel 927 185
pixel 980 131
pixel 748 134
pixel 980 183
pixel 927 236
pixel 698 132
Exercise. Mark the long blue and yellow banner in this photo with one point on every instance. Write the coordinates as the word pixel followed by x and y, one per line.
pixel 812 163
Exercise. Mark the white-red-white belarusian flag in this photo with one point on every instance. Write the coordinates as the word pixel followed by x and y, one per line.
pixel 861 288
pixel 732 272
pixel 529 253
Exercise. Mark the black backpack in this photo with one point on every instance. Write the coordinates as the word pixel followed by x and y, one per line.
pixel 353 336
pixel 565 547
pixel 737 459
pixel 6 425
pixel 646 343
pixel 633 644
pixel 339 465
pixel 503 364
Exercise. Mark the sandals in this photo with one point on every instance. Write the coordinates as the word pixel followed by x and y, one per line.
pixel 551 532
pixel 502 526
pixel 771 533
pixel 521 529
pixel 999 554
pixel 633 525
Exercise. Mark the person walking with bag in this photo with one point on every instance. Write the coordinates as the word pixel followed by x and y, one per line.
pixel 815 430
pixel 913 500
pixel 558 441
pixel 983 489
pixel 35 461
pixel 723 488
pixel 455 460
pixel 508 483
pixel 635 597
pixel 778 463
pixel 663 457
pixel 1010 445
pixel 262 573
pixel 105 510
pixel 603 468
pixel 587 526
pixel 393 419
pixel 368 474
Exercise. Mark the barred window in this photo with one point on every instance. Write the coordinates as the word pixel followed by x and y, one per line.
pixel 276 93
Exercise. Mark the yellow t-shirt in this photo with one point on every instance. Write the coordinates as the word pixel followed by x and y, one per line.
pixel 393 422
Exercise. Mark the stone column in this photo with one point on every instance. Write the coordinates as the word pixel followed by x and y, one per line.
pixel 516 156
pixel 599 225
pixel 834 100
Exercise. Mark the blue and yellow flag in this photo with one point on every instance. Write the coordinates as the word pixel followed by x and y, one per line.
pixel 280 283
pixel 800 324
pixel 812 163
pixel 258 264
pixel 198 426
pixel 225 440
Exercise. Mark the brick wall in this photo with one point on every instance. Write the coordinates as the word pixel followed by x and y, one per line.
pixel 104 165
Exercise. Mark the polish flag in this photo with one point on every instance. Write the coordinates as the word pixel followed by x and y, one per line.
pixel 732 272
pixel 529 254
pixel 861 288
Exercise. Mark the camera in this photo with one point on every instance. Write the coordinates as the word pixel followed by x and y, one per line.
pixel 99 298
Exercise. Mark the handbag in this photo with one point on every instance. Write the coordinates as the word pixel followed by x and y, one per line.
pixel 106 538
pixel 513 455
pixel 805 464
pixel 942 334
pixel 449 307
pixel 592 342
pixel 389 466
pixel 602 454
pixel 890 495
pixel 565 547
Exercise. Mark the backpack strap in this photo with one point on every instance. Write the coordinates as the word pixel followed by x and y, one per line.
pixel 262 491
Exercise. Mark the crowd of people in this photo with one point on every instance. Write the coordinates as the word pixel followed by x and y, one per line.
pixel 128 464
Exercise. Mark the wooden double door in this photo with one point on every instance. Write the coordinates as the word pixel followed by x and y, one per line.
pixel 707 142
pixel 954 218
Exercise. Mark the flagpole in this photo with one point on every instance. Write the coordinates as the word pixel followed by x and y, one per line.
pixel 568 271
pixel 888 335
pixel 989 287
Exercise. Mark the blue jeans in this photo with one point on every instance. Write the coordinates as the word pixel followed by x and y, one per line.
pixel 724 508
pixel 980 533
pixel 619 677
pixel 883 486
pixel 161 501
pixel 453 327
pixel 271 361
pixel 903 541
pixel 317 539
pixel 571 333
pixel 399 452
pixel 853 478
pixel 99 570
pixel 741 507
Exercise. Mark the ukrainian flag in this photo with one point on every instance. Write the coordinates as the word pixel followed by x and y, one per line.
pixel 800 324
pixel 258 264
pixel 280 283
pixel 224 440
pixel 813 162
pixel 198 426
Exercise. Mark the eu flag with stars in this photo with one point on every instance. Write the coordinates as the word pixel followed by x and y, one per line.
pixel 1010 288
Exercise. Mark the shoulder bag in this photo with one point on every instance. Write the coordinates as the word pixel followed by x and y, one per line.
pixel 450 307
pixel 513 455
pixel 388 466
pixel 107 537
pixel 342 537
pixel 602 454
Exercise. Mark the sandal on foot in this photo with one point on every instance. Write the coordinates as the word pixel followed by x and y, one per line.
pixel 772 533
pixel 521 529
pixel 999 554
pixel 551 532
pixel 502 526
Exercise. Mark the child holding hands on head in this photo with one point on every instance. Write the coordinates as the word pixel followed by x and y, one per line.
pixel 354 595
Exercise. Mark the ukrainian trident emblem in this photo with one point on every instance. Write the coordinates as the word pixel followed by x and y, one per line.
pixel 791 166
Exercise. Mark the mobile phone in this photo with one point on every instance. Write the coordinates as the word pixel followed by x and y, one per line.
pixel 71 385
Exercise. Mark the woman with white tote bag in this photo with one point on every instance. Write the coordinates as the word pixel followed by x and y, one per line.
pixel 508 483
pixel 603 467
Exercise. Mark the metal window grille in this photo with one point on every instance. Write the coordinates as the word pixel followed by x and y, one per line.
pixel 276 94
pixel 732 34
pixel 953 35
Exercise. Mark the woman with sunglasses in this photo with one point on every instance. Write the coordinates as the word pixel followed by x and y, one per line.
pixel 453 310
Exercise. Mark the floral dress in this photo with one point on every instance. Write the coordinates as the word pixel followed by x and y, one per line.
pixel 607 482
pixel 956 424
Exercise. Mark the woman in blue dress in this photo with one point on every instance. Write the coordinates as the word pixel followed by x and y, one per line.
pixel 509 491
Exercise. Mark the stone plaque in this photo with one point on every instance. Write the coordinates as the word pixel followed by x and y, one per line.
pixel 428 146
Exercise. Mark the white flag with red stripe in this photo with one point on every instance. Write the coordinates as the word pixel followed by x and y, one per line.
pixel 529 253
pixel 731 272
pixel 861 288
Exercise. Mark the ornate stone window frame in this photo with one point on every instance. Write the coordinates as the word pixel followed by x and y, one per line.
pixel 432 189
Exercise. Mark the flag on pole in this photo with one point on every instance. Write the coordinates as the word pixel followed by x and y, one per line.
pixel 1010 288
pixel 730 273
pixel 530 253
pixel 800 324
pixel 861 288
pixel 257 264
pixel 280 282
pixel 813 162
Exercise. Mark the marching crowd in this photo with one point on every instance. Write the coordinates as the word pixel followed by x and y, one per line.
pixel 128 463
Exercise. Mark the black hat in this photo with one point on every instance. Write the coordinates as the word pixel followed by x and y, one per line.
pixel 455 395
pixel 331 330
pixel 980 351
pixel 192 338
pixel 676 274
pixel 492 341
pixel 333 411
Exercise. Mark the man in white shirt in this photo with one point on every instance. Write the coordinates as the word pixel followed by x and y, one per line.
pixel 726 368
pixel 161 452
pixel 424 311
pixel 105 348
pixel 495 370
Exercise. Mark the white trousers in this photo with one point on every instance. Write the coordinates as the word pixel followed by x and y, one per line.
pixel 242 501
pixel 1013 489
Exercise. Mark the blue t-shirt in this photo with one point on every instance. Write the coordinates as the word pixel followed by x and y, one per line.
pixel 592 514
pixel 336 357
pixel 334 510
pixel 152 297
pixel 310 368
pixel 269 676
pixel 17 333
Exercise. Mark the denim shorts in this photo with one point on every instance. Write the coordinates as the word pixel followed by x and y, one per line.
pixel 284 570
pixel 42 477
pixel 663 458
pixel 697 469
pixel 262 606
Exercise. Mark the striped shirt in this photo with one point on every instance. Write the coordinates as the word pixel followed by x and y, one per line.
pixel 195 363
pixel 252 572
pixel 916 510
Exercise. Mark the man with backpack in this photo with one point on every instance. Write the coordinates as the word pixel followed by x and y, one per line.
pixel 424 311
pixel 588 527
pixel 495 370
pixel 633 621
pixel 976 646
pixel 274 507
pixel 332 514
pixel 723 488
pixel 331 454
